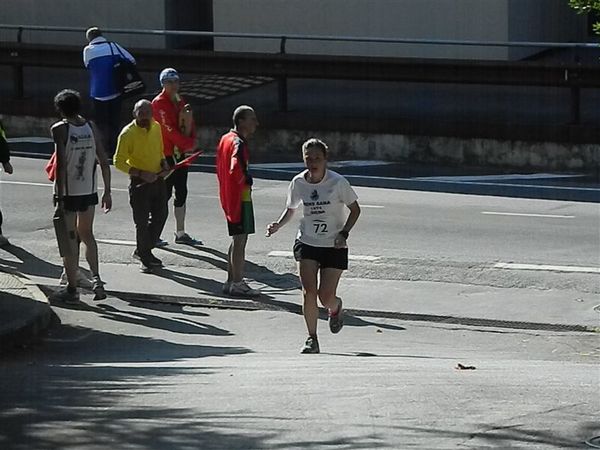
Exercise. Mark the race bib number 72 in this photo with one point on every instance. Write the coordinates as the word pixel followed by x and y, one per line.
pixel 319 227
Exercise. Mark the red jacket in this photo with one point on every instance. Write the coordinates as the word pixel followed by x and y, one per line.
pixel 232 173
pixel 166 113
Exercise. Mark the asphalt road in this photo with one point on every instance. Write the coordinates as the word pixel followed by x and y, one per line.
pixel 142 375
pixel 146 376
pixel 414 235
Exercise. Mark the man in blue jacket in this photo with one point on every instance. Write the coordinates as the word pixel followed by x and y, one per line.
pixel 99 57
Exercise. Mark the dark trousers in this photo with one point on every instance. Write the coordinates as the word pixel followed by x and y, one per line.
pixel 108 119
pixel 0 222
pixel 178 181
pixel 149 205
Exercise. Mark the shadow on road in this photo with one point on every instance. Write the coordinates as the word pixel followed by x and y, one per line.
pixel 71 393
pixel 182 324
pixel 29 264
pixel 349 320
pixel 262 274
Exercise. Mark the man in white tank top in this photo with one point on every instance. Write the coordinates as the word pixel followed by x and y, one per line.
pixel 78 151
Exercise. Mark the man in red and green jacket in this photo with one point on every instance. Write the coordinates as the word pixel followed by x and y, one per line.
pixel 168 109
pixel 235 187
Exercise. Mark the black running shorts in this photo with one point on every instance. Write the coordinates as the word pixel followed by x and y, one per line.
pixel 327 257
pixel 79 203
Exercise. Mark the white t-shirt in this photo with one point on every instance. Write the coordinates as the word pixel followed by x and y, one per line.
pixel 324 207
pixel 80 152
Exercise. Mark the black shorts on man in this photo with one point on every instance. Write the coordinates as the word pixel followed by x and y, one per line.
pixel 327 257
pixel 79 203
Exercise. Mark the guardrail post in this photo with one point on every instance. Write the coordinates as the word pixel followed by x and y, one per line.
pixel 282 83
pixel 575 105
pixel 575 93
pixel 18 71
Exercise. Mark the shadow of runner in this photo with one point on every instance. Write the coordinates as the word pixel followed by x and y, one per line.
pixel 349 319
pixel 30 264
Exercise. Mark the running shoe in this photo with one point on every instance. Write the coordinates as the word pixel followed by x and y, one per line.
pixel 160 243
pixel 98 288
pixel 187 240
pixel 65 296
pixel 311 345
pixel 4 241
pixel 241 289
pixel 82 280
pixel 336 321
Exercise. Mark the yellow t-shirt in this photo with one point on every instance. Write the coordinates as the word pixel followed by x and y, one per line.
pixel 139 148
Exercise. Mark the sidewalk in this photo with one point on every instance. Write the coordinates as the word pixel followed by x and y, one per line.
pixel 405 300
pixel 24 310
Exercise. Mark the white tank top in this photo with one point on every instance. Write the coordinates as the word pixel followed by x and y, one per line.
pixel 81 160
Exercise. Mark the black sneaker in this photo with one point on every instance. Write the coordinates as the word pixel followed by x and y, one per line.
pixel 187 240
pixel 311 345
pixel 336 322
pixel 160 243
pixel 145 267
pixel 154 261
pixel 98 288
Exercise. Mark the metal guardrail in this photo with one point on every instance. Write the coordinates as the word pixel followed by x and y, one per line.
pixel 283 65
pixel 299 37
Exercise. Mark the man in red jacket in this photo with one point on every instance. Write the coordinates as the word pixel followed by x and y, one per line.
pixel 235 186
pixel 168 109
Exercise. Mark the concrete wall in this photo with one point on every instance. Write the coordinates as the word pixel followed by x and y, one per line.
pixel 143 14
pixel 543 20
pixel 284 145
pixel 421 19
pixel 483 20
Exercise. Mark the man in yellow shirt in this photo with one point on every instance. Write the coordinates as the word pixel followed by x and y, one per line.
pixel 140 155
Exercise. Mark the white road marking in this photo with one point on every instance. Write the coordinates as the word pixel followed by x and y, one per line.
pixel 474 183
pixel 516 176
pixel 572 269
pixel 551 216
pixel 372 206
pixel 300 166
pixel 26 183
pixel 286 254
pixel 116 242
pixel 29 183
pixel 31 140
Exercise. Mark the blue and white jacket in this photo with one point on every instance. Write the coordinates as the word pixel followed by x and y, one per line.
pixel 99 60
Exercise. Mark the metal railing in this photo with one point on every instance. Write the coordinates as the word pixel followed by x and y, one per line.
pixel 299 37
pixel 282 65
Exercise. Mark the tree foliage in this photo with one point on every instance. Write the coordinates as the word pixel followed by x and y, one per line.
pixel 588 7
